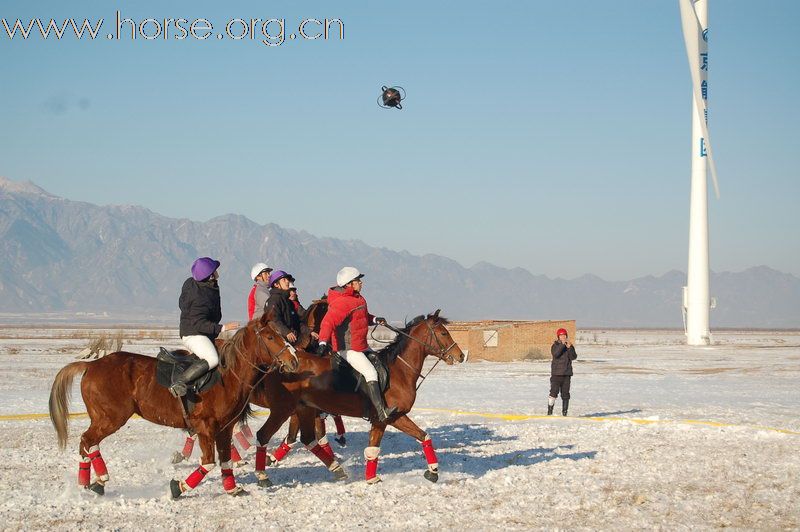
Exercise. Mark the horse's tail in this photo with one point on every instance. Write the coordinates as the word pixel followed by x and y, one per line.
pixel 59 399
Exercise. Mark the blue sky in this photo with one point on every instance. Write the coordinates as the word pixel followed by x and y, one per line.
pixel 548 135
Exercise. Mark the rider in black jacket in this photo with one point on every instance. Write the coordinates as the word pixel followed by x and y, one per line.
pixel 285 318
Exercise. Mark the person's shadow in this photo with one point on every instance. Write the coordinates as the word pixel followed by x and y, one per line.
pixel 615 413
pixel 461 448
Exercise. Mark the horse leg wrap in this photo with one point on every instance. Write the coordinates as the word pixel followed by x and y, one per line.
pixel 235 456
pixel 242 440
pixel 317 450
pixel 84 472
pixel 339 426
pixel 247 433
pixel 261 458
pixel 188 447
pixel 98 463
pixel 371 469
pixel 323 442
pixel 198 475
pixel 228 480
pixel 430 454
pixel 282 450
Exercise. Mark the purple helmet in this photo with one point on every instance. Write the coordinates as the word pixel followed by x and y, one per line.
pixel 277 275
pixel 203 268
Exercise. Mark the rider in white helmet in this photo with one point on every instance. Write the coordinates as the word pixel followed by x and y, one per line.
pixel 345 326
pixel 259 294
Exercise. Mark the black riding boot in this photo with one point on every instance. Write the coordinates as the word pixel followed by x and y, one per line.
pixel 197 369
pixel 564 406
pixel 376 398
pixel 550 410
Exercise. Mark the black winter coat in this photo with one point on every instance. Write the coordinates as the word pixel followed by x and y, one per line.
pixel 201 310
pixel 562 359
pixel 285 318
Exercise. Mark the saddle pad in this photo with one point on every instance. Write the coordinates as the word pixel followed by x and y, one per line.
pixel 170 365
pixel 346 379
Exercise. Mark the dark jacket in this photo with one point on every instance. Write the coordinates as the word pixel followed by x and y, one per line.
pixel 201 310
pixel 285 318
pixel 562 359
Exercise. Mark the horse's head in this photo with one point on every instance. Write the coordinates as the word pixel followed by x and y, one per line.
pixel 434 336
pixel 275 350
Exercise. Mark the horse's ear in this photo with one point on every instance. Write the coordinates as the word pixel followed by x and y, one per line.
pixel 435 315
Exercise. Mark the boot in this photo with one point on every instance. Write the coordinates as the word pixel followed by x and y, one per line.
pixel 376 398
pixel 549 410
pixel 197 369
pixel 564 406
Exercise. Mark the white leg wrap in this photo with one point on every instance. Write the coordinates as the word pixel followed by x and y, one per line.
pixel 323 440
pixel 312 445
pixel 225 465
pixel 208 467
pixel 371 453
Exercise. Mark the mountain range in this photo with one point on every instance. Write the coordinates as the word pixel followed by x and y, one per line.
pixel 64 256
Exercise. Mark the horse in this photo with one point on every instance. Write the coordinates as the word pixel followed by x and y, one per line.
pixel 311 389
pixel 122 384
pixel 313 317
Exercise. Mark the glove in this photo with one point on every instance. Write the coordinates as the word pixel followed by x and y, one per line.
pixel 380 321
pixel 323 349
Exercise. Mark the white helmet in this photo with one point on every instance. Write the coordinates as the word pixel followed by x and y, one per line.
pixel 347 274
pixel 258 269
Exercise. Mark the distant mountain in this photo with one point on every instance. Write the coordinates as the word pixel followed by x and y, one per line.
pixel 58 255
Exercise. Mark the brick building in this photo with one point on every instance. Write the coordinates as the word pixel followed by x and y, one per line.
pixel 504 340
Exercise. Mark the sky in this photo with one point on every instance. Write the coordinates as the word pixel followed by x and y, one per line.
pixel 553 136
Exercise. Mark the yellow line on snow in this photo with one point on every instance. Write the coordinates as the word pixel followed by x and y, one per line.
pixel 491 415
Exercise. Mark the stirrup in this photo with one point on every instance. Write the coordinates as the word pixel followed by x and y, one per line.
pixel 178 390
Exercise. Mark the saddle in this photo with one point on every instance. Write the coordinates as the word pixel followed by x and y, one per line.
pixel 170 364
pixel 346 379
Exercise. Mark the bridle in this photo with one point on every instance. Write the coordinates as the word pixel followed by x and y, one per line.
pixel 443 352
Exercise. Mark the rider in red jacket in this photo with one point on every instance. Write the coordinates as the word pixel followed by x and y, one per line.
pixel 345 326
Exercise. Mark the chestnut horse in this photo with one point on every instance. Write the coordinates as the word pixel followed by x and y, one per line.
pixel 311 390
pixel 122 384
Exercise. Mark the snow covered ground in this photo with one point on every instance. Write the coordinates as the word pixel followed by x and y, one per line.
pixel 629 456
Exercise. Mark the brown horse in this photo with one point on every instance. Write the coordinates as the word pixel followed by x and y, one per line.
pixel 311 390
pixel 122 384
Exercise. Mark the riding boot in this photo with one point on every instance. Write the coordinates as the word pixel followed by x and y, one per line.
pixel 376 398
pixel 564 406
pixel 197 369
pixel 549 410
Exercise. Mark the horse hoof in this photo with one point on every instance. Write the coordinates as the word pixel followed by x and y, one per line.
pixel 177 457
pixel 238 491
pixel 342 441
pixel 430 475
pixel 265 483
pixel 339 473
pixel 374 480
pixel 175 488
pixel 98 488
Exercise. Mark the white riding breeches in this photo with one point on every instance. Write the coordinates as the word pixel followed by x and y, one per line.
pixel 361 364
pixel 203 347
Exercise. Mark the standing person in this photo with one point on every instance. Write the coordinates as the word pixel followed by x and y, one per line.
pixel 345 325
pixel 259 294
pixel 201 313
pixel 560 371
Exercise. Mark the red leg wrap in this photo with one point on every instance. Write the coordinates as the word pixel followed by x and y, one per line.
pixel 326 447
pixel 261 458
pixel 188 446
pixel 282 451
pixel 228 481
pixel 322 454
pixel 339 425
pixel 371 469
pixel 242 440
pixel 98 464
pixel 196 477
pixel 235 456
pixel 430 454
pixel 84 473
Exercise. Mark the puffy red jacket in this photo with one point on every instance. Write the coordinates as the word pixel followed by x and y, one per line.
pixel 251 302
pixel 347 321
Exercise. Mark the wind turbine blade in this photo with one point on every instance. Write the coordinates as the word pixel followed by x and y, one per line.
pixel 691 29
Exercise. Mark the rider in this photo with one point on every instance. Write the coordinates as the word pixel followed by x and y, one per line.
pixel 259 294
pixel 201 313
pixel 285 319
pixel 345 325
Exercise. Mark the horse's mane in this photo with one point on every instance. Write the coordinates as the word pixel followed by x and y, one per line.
pixel 231 349
pixel 396 346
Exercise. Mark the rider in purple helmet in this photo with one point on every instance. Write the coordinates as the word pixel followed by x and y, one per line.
pixel 201 313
